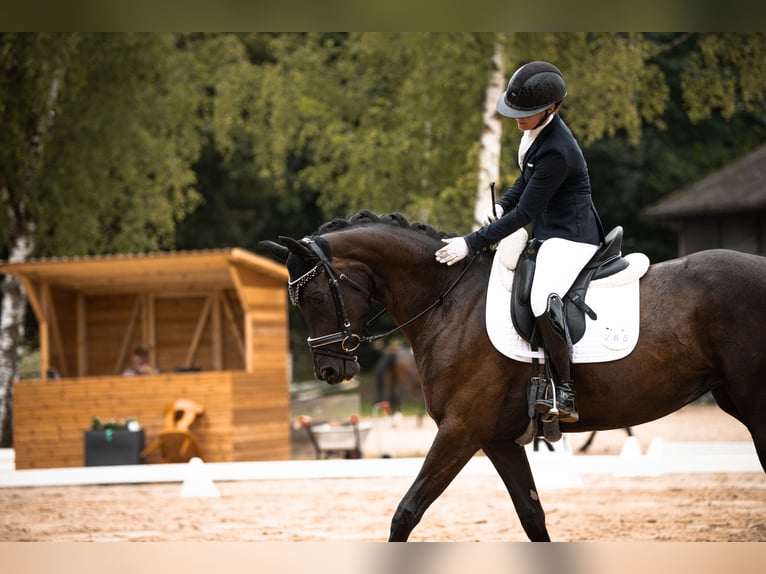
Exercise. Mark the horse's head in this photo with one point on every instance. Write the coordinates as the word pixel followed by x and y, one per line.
pixel 333 300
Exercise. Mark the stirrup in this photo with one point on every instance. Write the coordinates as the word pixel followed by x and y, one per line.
pixel 552 406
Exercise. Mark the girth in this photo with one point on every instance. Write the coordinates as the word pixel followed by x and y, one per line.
pixel 606 261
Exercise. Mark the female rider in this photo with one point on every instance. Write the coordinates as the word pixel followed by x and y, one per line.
pixel 553 193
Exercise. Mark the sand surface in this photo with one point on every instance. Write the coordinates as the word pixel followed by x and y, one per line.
pixel 676 507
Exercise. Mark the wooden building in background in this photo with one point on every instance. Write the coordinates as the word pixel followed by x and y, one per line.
pixel 726 209
pixel 214 324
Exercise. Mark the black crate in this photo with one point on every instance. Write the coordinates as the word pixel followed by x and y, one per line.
pixel 113 447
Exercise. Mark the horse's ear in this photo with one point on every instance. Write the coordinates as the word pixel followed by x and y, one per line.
pixel 298 248
pixel 279 251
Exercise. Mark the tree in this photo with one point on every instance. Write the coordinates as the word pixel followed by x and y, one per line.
pixel 491 138
pixel 99 134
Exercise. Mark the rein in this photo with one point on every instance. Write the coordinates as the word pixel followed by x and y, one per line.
pixel 349 341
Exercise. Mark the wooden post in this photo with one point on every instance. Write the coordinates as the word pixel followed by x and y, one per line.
pixel 45 358
pixel 123 356
pixel 82 337
pixel 198 331
pixel 58 341
pixel 215 324
pixel 233 326
pixel 149 333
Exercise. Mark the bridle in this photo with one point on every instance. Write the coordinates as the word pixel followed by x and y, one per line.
pixel 348 340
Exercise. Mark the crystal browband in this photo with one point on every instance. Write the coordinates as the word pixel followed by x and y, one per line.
pixel 294 287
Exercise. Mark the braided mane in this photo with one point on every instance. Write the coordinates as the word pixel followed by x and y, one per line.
pixel 394 219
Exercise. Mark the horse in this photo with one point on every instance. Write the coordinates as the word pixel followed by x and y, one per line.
pixel 702 327
pixel 396 377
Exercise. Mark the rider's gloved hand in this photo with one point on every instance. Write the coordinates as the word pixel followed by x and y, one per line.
pixel 490 216
pixel 455 250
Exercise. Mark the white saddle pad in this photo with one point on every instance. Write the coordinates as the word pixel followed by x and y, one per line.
pixel 615 300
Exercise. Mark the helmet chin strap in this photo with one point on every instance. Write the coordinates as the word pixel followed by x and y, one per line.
pixel 548 112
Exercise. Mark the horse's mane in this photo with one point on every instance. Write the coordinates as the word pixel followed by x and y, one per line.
pixel 393 219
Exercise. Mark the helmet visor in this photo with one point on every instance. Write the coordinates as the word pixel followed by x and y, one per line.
pixel 505 108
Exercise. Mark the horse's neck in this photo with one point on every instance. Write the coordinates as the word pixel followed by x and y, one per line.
pixel 402 260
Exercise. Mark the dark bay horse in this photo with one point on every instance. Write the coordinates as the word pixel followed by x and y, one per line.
pixel 703 326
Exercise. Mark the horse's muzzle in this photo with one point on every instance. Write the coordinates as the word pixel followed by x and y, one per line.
pixel 335 370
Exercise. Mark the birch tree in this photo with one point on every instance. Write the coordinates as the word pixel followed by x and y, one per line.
pixel 491 138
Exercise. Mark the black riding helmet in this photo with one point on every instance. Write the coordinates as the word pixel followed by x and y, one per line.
pixel 532 89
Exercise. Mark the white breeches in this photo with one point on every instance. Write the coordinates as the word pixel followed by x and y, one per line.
pixel 559 261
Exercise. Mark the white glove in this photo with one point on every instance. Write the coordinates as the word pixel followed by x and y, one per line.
pixel 455 250
pixel 490 217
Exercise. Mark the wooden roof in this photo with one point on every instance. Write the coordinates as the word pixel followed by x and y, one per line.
pixel 189 271
pixel 739 186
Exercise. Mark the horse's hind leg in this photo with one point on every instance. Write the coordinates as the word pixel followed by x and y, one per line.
pixel 512 464
pixel 586 445
pixel 750 415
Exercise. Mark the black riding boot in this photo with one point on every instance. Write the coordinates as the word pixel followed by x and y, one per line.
pixel 553 328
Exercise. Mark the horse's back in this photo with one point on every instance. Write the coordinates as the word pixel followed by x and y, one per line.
pixel 714 268
pixel 736 280
pixel 709 302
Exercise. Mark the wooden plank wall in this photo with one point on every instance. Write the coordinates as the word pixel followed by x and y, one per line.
pixel 246 418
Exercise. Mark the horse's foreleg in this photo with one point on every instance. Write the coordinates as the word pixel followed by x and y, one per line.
pixel 448 454
pixel 512 464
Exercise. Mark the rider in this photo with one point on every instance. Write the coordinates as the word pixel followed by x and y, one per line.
pixel 553 192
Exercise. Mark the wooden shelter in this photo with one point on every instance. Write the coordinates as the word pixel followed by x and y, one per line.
pixel 726 209
pixel 214 324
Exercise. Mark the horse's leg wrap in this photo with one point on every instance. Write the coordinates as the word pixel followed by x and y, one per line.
pixel 558 345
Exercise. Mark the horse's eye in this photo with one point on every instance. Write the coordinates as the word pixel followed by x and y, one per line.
pixel 318 297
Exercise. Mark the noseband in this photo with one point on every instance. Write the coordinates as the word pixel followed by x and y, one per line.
pixel 349 341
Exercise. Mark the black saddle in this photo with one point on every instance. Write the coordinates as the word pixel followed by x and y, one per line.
pixel 607 261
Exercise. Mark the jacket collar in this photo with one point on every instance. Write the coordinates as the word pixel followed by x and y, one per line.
pixel 552 125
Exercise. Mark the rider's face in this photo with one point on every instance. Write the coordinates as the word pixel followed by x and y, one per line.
pixel 530 123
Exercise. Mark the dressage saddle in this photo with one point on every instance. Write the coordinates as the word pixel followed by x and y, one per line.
pixel 607 261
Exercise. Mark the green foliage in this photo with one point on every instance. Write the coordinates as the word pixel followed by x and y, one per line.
pixel 411 116
pixel 726 72
pixel 101 132
pixel 613 85
pixel 627 178
pixel 110 140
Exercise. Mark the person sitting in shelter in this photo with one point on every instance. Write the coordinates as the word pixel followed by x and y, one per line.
pixel 139 364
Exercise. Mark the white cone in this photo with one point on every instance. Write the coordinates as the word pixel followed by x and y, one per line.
pixel 556 468
pixel 631 461
pixel 197 483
